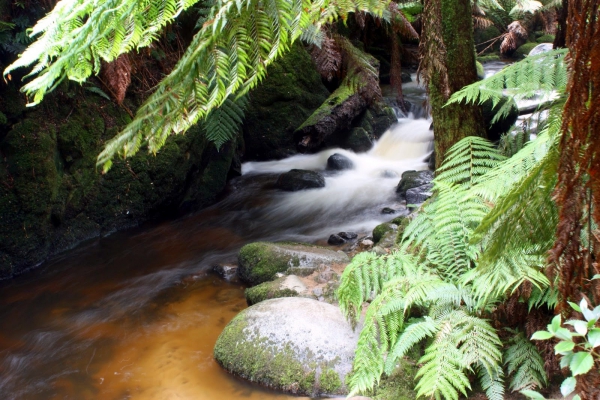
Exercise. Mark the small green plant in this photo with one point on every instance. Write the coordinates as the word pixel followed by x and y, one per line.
pixel 578 347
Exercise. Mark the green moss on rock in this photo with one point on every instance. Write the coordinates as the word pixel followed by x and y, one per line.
pixel 267 290
pixel 52 195
pixel 399 385
pixel 488 58
pixel 480 70
pixel 524 50
pixel 380 231
pixel 288 95
pixel 329 381
pixel 258 362
pixel 545 39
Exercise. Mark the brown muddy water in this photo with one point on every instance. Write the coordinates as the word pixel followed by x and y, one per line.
pixel 135 315
pixel 108 322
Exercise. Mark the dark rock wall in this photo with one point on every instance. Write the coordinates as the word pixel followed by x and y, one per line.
pixel 288 95
pixel 51 194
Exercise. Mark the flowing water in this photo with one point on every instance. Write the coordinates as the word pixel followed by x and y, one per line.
pixel 135 315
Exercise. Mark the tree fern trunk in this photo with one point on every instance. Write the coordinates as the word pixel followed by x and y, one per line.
pixel 457 57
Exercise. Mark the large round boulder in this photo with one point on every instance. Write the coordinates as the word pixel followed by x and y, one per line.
pixel 300 179
pixel 293 344
pixel 261 261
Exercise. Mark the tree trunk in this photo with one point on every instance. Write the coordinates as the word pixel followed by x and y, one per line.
pixel 449 57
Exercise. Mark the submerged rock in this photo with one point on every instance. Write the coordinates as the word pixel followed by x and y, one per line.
pixel 300 179
pixel 225 271
pixel 342 237
pixel 413 179
pixel 294 344
pixel 260 261
pixel 339 162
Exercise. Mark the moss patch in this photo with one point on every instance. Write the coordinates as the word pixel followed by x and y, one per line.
pixel 399 385
pixel 260 261
pixel 262 362
pixel 524 50
pixel 545 39
pixel 480 70
pixel 380 231
pixel 329 382
pixel 267 290
pixel 488 58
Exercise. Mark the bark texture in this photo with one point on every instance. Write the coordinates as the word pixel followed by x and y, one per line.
pixel 448 62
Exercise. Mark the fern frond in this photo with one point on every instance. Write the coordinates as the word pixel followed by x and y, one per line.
pixel 78 34
pixel 224 123
pixel 366 276
pixel 540 75
pixel 229 55
pixel 468 160
pixel 515 238
pixel 525 364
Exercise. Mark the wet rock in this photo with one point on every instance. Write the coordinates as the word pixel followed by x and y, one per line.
pixel 318 292
pixel 341 238
pixel 413 179
pixel 287 286
pixel 300 179
pixel 366 244
pixel 358 140
pixel 502 125
pixel 388 210
pixel 336 240
pixel 348 235
pixel 261 261
pixel 225 271
pixel 294 344
pixel 419 194
pixel 339 162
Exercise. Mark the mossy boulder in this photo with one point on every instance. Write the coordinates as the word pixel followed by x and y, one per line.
pixel 287 96
pixel 294 344
pixel 384 235
pixel 523 51
pixel 286 286
pixel 261 261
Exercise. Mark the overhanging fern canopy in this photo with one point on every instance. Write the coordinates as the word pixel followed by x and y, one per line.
pixel 228 56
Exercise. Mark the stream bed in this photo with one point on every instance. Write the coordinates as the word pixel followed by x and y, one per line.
pixel 135 315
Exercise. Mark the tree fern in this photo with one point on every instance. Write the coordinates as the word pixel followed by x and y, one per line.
pixel 229 54
pixel 78 34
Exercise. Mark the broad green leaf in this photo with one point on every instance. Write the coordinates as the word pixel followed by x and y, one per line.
pixel 581 327
pixel 564 347
pixel 564 334
pixel 555 325
pixel 597 276
pixel 568 386
pixel 566 360
pixel 581 363
pixel 542 335
pixel 576 397
pixel 594 337
pixel 574 306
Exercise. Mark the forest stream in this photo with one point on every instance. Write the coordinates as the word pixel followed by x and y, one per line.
pixel 135 315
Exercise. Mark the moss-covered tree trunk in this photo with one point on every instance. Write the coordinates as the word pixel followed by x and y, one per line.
pixel 449 47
